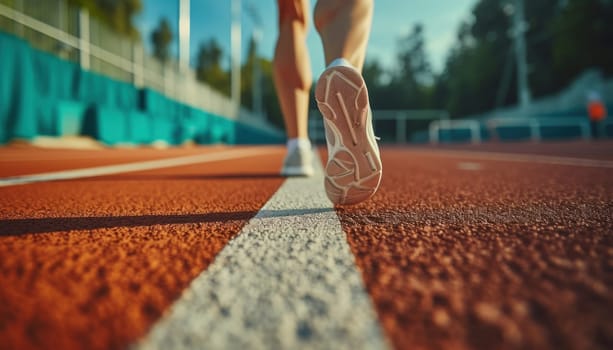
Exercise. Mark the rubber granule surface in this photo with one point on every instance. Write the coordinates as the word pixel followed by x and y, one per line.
pixel 93 263
pixel 500 256
pixel 16 161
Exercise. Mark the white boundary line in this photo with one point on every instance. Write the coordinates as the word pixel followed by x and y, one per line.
pixel 287 281
pixel 518 157
pixel 130 167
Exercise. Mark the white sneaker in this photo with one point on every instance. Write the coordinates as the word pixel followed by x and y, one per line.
pixel 298 162
pixel 353 172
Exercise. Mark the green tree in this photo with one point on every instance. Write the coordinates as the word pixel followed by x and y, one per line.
pixel 412 59
pixel 269 95
pixel 409 85
pixel 540 37
pixel 247 75
pixel 270 103
pixel 563 39
pixel 479 74
pixel 161 39
pixel 209 69
pixel 583 37
pixel 373 74
pixel 471 78
pixel 118 14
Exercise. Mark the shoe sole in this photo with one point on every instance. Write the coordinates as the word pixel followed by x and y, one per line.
pixel 353 171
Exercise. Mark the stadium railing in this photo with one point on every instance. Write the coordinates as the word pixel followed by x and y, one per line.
pixel 393 126
pixel 71 33
pixel 536 125
pixel 438 126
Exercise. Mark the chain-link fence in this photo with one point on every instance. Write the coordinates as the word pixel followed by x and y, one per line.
pixel 68 32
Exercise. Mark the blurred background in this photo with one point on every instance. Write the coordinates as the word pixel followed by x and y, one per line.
pixel 178 71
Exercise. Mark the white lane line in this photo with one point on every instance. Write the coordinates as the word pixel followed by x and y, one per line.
pixel 523 158
pixel 130 167
pixel 287 281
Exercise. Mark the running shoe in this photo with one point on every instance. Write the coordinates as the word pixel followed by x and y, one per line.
pixel 298 162
pixel 353 171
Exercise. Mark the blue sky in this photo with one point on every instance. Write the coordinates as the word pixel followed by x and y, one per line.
pixel 392 20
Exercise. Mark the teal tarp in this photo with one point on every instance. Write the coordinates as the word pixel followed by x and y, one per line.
pixel 244 134
pixel 70 117
pixel 140 127
pixel 107 125
pixel 41 94
pixel 18 96
pixel 95 88
pixel 55 78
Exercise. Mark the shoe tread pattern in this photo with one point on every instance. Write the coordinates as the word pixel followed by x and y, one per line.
pixel 353 171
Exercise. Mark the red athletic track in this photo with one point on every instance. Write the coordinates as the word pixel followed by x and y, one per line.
pixel 506 255
pixel 93 263
pixel 602 150
pixel 514 255
pixel 23 160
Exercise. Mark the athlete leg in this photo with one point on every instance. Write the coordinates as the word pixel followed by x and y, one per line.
pixel 293 77
pixel 344 27
pixel 353 171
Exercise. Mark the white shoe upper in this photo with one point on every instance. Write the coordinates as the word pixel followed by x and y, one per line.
pixel 298 162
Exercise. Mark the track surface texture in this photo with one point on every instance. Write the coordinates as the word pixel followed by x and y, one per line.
pixel 456 250
pixel 93 263
pixel 463 253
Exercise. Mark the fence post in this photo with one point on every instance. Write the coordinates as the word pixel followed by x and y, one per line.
pixel 434 131
pixel 585 130
pixel 137 64
pixel 167 79
pixel 401 128
pixel 475 130
pixel 535 131
pixel 84 58
pixel 18 27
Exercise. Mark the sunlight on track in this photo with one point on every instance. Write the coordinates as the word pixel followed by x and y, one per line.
pixel 523 158
pixel 131 167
